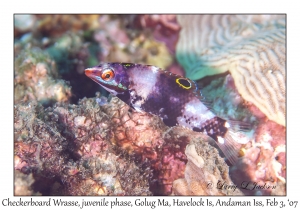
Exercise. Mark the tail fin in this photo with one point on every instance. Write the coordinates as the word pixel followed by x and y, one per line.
pixel 226 136
pixel 229 145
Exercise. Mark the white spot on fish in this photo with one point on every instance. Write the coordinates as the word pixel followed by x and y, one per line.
pixel 221 140
pixel 195 108
pixel 132 92
pixel 154 69
pixel 227 125
pixel 143 82
pixel 137 105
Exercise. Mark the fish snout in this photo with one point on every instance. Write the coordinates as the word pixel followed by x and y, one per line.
pixel 89 72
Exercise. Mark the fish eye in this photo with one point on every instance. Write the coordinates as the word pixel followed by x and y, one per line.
pixel 107 74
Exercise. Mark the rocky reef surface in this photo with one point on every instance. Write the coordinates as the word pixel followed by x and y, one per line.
pixel 66 150
pixel 88 149
pixel 69 142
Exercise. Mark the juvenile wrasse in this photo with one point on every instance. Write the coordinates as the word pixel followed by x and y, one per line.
pixel 175 99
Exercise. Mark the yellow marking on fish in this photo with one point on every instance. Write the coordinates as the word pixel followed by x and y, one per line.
pixel 182 85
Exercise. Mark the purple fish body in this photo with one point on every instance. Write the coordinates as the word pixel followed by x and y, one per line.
pixel 175 99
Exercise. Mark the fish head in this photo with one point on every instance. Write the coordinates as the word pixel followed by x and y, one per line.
pixel 111 76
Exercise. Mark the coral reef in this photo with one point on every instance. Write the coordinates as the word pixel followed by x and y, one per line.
pixel 99 146
pixel 110 36
pixel 56 25
pixel 149 140
pixel 66 149
pixel 264 160
pixel 88 149
pixel 205 173
pixel 116 45
pixel 164 28
pixel 263 153
pixel 36 78
pixel 250 47
pixel 72 52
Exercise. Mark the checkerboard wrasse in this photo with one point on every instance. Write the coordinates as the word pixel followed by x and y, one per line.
pixel 175 99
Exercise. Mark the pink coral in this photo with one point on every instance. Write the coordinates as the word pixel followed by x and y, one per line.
pixel 168 21
pixel 109 35
pixel 263 161
pixel 166 29
pixel 255 111
pixel 175 68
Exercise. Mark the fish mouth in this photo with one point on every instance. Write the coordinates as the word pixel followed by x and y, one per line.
pixel 89 72
pixel 92 73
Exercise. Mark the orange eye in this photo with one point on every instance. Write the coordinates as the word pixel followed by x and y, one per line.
pixel 107 74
